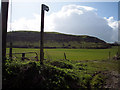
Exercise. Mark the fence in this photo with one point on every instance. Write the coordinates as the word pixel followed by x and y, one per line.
pixel 24 56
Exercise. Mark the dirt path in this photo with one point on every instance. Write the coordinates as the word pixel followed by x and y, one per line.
pixel 113 80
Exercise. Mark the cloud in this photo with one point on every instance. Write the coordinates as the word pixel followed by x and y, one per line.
pixel 83 20
pixel 74 19
pixel 114 25
pixel 111 22
pixel 25 24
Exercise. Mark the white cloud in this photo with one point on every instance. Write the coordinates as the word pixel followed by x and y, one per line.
pixel 111 22
pixel 114 25
pixel 74 19
pixel 26 24
pixel 77 19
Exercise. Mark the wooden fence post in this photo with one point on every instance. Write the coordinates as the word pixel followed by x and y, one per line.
pixel 109 54
pixel 65 56
pixel 10 53
pixel 23 56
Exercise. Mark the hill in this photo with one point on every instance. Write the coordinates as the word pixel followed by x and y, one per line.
pixel 31 39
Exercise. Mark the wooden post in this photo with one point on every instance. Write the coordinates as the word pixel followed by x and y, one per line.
pixel 23 56
pixel 43 7
pixel 109 55
pixel 119 50
pixel 10 53
pixel 42 35
pixel 4 28
pixel 65 56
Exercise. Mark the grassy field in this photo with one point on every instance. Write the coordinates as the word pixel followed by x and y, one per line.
pixel 71 54
pixel 85 68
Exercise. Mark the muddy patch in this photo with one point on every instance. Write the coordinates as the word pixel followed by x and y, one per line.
pixel 112 80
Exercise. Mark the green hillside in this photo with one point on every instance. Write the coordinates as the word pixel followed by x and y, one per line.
pixel 31 39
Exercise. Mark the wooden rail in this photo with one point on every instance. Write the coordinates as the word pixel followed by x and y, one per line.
pixel 24 53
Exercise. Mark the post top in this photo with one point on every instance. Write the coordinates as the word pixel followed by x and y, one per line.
pixel 44 7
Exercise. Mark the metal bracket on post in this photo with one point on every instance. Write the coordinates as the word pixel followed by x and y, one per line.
pixel 43 7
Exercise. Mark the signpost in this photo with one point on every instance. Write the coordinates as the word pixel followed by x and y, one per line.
pixel 46 8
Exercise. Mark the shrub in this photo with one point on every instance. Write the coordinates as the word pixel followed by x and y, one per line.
pixel 62 64
pixel 97 81
pixel 44 77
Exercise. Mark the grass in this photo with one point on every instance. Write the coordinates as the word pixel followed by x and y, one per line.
pixel 54 40
pixel 97 59
pixel 83 67
pixel 71 54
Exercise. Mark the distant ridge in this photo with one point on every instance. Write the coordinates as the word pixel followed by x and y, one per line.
pixel 31 39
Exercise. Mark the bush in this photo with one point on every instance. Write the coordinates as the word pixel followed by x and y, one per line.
pixel 62 64
pixel 44 77
pixel 97 81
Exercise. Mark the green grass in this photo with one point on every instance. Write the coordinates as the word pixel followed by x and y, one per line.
pixel 97 59
pixel 82 65
pixel 71 54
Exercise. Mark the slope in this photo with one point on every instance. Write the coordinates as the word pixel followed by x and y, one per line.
pixel 31 39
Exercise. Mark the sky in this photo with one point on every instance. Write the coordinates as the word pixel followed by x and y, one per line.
pixel 99 19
